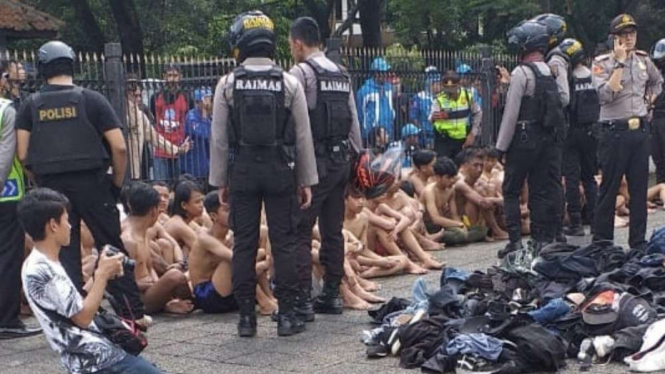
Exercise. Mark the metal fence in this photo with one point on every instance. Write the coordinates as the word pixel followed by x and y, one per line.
pixel 165 103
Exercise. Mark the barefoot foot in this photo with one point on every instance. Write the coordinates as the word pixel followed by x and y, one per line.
pixel 178 306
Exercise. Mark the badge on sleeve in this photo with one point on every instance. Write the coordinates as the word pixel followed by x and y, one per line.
pixel 642 65
pixel 597 69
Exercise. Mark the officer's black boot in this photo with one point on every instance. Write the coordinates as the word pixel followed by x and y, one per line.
pixel 510 247
pixel 328 302
pixel 303 306
pixel 247 322
pixel 287 322
pixel 575 228
pixel 559 236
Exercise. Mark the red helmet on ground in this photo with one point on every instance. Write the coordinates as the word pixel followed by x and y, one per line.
pixel 372 175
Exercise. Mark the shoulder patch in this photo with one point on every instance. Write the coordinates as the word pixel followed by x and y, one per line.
pixel 602 57
pixel 598 69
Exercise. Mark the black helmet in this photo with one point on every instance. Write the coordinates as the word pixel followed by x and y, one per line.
pixel 658 53
pixel 573 49
pixel 249 31
pixel 556 27
pixel 529 36
pixel 55 50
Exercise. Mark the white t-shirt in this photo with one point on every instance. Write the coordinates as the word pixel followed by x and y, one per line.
pixel 47 287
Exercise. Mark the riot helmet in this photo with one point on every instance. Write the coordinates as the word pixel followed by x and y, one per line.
pixel 252 33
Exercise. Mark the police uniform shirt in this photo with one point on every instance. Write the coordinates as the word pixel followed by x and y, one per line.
pixel 640 78
pixel 581 72
pixel 522 83
pixel 99 111
pixel 476 111
pixel 7 143
pixel 295 100
pixel 559 67
pixel 307 79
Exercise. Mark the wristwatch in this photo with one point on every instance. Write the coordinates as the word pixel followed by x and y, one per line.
pixel 619 65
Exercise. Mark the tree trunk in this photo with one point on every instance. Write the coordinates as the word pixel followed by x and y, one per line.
pixel 370 22
pixel 321 13
pixel 129 26
pixel 91 28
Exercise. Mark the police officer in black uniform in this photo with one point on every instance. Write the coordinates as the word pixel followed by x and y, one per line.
pixel 68 137
pixel 579 157
pixel 336 132
pixel 627 82
pixel 528 136
pixel 262 154
pixel 658 123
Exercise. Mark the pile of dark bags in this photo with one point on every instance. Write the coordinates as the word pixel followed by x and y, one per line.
pixel 594 304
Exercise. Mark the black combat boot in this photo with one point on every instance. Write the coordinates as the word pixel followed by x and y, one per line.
pixel 328 302
pixel 247 322
pixel 287 322
pixel 303 306
pixel 575 228
pixel 510 247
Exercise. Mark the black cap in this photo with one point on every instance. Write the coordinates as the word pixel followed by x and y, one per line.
pixel 599 314
pixel 621 22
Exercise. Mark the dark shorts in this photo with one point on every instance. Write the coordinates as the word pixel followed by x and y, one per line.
pixel 209 301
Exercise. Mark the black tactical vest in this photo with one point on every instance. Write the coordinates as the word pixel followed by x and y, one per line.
pixel 62 138
pixel 585 104
pixel 331 117
pixel 544 108
pixel 259 114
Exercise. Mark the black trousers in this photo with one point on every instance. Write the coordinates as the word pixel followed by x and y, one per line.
pixel 12 242
pixel 328 207
pixel 92 201
pixel 258 179
pixel 623 153
pixel 448 147
pixel 535 159
pixel 580 163
pixel 658 147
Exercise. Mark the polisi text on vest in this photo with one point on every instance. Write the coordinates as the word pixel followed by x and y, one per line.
pixel 55 114
pixel 258 85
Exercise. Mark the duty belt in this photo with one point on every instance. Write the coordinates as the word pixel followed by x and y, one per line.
pixel 630 124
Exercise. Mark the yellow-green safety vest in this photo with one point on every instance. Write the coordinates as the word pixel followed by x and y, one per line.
pixel 14 186
pixel 456 125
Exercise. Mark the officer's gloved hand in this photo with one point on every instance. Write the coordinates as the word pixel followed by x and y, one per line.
pixel 502 156
pixel 115 192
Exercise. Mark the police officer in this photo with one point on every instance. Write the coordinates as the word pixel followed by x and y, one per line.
pixel 456 117
pixel 260 121
pixel 68 137
pixel 528 136
pixel 12 238
pixel 579 156
pixel 560 65
pixel 658 123
pixel 625 80
pixel 336 132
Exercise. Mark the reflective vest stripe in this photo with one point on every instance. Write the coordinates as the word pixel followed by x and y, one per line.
pixel 458 111
pixel 14 187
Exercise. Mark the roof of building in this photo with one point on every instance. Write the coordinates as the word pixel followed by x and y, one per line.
pixel 21 20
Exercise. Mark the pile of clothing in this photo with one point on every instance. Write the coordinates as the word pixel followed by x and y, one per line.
pixel 536 309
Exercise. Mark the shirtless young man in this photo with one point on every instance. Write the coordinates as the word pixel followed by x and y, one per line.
pixel 471 202
pixel 423 163
pixel 371 265
pixel 210 265
pixel 440 207
pixel 171 292
pixel 490 181
pixel 164 197
pixel 187 206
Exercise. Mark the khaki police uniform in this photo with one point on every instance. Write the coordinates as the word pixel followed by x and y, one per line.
pixel 260 176
pixel 623 147
pixel 328 196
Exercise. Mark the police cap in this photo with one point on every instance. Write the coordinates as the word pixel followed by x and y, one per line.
pixel 55 50
pixel 622 22
pixel 251 31
pixel 451 78
pixel 529 36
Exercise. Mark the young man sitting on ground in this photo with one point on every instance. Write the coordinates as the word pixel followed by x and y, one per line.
pixel 210 265
pixel 441 209
pixel 473 202
pixel 66 317
pixel 164 197
pixel 423 163
pixel 187 206
pixel 169 293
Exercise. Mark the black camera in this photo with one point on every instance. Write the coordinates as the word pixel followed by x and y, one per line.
pixel 127 263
